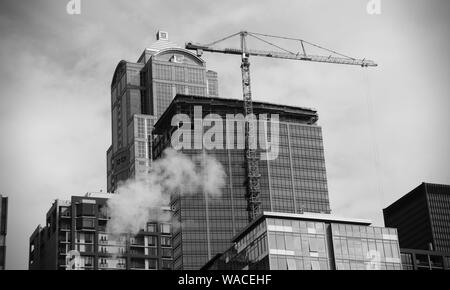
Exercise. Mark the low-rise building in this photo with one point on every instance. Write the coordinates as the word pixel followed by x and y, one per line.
pixel 310 241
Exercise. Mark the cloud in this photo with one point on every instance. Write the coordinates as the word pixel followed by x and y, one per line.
pixel 139 201
pixel 55 100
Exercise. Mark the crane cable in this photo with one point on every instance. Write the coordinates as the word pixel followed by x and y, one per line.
pixel 302 41
pixel 373 133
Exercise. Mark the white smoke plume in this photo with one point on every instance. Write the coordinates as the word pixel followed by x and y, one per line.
pixel 139 200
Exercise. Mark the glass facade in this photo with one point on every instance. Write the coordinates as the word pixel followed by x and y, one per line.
pixel 359 247
pixel 294 182
pixel 300 243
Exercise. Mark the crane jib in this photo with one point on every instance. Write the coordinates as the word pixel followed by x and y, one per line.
pixel 253 175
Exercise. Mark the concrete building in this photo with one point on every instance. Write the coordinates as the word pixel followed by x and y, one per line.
pixel 140 93
pixel 295 182
pixel 280 241
pixel 3 229
pixel 422 218
pixel 80 225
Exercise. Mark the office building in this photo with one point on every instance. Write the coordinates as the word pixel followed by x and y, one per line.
pixel 281 241
pixel 424 260
pixel 80 224
pixel 3 228
pixel 422 218
pixel 140 93
pixel 295 182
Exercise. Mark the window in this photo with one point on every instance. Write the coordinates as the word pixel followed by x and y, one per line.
pixel 165 228
pixel 141 150
pixel 180 89
pixel 88 261
pixel 167 253
pixel 163 35
pixel 316 245
pixel 280 242
pixel 387 250
pixel 151 241
pixel 315 265
pixel 197 91
pixel 163 72
pixel 282 263
pixel 121 262
pixel 85 209
pixel 65 211
pixel 293 243
pixel 272 241
pixel 166 242
pixel 140 128
pixel 196 76
pixel 152 264
pixel 166 264
pixel 151 228
pixel 179 73
pixel 291 265
pixel 89 238
pixel 88 223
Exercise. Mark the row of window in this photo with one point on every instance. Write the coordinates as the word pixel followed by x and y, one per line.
pixel 178 73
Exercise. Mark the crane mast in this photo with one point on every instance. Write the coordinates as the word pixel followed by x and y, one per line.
pixel 252 158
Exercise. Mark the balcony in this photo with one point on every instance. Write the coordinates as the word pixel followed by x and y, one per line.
pixel 137 242
pixel 137 251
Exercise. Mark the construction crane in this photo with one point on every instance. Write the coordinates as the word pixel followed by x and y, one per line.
pixel 252 159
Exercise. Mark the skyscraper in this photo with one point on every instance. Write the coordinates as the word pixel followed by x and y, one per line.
pixel 422 218
pixel 3 227
pixel 80 224
pixel 140 93
pixel 295 182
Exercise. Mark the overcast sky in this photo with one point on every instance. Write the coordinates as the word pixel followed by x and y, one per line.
pixel 386 129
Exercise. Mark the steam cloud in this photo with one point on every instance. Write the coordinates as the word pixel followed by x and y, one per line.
pixel 139 200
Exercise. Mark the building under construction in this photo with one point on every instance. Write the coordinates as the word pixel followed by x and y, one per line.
pixel 294 182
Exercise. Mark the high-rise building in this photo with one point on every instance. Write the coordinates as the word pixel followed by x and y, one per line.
pixel 294 182
pixel 422 218
pixel 80 225
pixel 3 227
pixel 413 259
pixel 280 241
pixel 140 93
